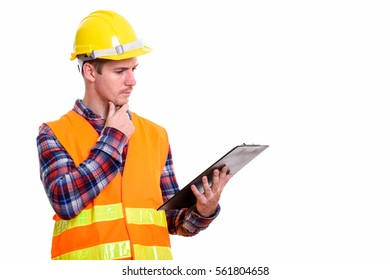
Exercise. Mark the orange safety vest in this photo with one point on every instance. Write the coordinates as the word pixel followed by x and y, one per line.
pixel 122 221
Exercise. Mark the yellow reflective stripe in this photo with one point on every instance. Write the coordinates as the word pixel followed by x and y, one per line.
pixel 107 251
pixel 98 213
pixel 152 252
pixel 146 216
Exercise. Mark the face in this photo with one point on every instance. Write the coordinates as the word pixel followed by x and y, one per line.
pixel 116 81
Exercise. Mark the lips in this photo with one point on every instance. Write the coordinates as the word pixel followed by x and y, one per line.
pixel 126 93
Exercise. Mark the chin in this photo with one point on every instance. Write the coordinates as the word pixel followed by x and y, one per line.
pixel 121 102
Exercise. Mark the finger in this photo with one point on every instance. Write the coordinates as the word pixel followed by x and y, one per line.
pixel 124 108
pixel 227 175
pixel 223 174
pixel 197 193
pixel 224 177
pixel 215 181
pixel 224 170
pixel 111 110
pixel 206 186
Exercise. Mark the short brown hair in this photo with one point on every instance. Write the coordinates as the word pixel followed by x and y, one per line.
pixel 97 64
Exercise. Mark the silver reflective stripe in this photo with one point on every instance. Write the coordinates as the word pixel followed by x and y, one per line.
pixel 106 251
pixel 118 50
pixel 146 216
pixel 142 252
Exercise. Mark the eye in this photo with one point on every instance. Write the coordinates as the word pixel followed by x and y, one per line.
pixel 134 68
pixel 119 71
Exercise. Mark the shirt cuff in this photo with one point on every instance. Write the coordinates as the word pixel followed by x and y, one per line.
pixel 112 141
pixel 200 221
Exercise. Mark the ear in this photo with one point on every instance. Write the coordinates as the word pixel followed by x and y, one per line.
pixel 89 71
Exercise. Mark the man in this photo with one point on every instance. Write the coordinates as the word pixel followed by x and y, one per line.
pixel 105 169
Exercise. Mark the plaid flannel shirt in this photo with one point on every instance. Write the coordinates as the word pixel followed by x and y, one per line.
pixel 70 188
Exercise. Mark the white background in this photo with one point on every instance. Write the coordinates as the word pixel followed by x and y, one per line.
pixel 308 78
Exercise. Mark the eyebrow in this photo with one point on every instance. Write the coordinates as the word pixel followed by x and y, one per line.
pixel 125 67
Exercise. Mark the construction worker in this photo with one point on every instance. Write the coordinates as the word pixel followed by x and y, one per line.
pixel 105 169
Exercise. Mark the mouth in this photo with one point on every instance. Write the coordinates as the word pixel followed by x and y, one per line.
pixel 126 93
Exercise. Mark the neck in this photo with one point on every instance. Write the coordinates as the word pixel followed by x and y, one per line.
pixel 100 108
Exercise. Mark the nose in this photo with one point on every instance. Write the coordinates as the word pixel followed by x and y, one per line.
pixel 130 78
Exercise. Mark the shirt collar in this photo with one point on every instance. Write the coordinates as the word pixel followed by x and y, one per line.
pixel 87 113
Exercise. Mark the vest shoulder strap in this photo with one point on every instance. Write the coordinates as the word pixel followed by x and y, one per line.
pixel 74 133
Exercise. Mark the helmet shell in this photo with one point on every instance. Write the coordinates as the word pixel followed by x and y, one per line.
pixel 102 30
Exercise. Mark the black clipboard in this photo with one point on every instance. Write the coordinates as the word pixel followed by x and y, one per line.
pixel 235 160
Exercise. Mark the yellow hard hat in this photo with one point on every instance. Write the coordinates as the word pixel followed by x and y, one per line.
pixel 106 34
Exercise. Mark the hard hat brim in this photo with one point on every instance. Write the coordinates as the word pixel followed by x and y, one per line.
pixel 126 55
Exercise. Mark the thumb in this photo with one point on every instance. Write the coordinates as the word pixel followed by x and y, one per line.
pixel 111 110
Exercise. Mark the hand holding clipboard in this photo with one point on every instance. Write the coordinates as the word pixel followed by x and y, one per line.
pixel 235 160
